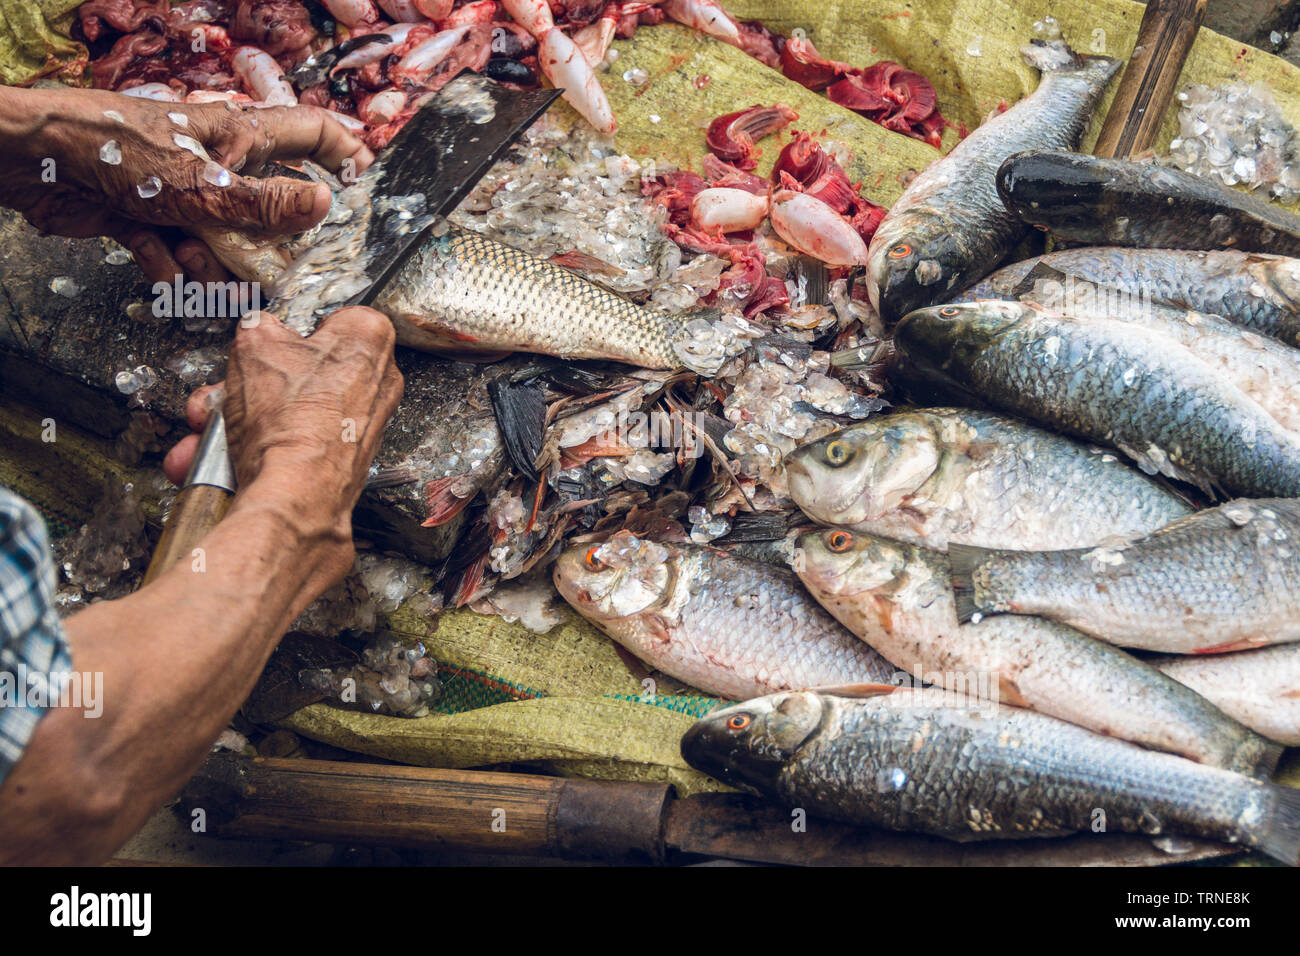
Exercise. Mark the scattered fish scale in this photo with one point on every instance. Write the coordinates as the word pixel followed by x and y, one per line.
pixel 1218 580
pixel 898 599
pixel 950 227
pixel 1108 382
pixel 726 624
pixel 1260 688
pixel 898 761
pixel 950 475
pixel 1253 290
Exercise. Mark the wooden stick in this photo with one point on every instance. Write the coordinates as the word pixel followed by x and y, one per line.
pixel 423 808
pixel 1145 91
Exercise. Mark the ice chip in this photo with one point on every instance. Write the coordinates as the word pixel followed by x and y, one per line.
pixel 65 286
pixel 149 188
pixel 216 174
pixel 190 145
pixel 111 153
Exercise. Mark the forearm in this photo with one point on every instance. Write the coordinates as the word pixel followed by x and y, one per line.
pixel 22 112
pixel 177 659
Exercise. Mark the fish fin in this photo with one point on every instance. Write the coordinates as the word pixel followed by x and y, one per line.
pixel 390 478
pixel 1270 755
pixel 859 691
pixel 1245 644
pixel 707 314
pixel 466 589
pixel 963 562
pixel 443 504
pixel 1279 836
pixel 1009 691
pixel 633 663
pixel 1050 56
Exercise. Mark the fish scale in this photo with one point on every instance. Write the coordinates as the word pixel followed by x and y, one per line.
pixel 1110 382
pixel 940 475
pixel 466 292
pixel 1004 776
pixel 905 762
pixel 1213 579
pixel 1256 291
pixel 730 625
pixel 897 597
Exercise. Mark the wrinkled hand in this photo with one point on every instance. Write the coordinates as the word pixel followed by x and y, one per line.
pixel 304 418
pixel 89 197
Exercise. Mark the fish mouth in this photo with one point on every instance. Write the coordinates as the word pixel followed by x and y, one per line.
pixel 822 503
pixel 699 750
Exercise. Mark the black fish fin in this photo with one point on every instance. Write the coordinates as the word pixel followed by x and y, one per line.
pixel 1268 760
pixel 708 314
pixel 963 562
pixel 1279 837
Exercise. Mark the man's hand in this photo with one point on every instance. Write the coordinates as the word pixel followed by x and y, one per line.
pixel 59 182
pixel 304 418
pixel 179 656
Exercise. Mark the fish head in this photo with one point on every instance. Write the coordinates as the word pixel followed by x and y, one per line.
pixel 748 745
pixel 623 576
pixel 912 262
pixel 863 472
pixel 1065 185
pixel 840 564
pixel 941 342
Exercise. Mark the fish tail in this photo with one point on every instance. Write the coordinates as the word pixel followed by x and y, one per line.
pixel 963 562
pixel 1056 56
pixel 1279 835
pixel 1256 756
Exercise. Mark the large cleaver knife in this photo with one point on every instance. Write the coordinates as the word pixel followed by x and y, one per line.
pixel 431 165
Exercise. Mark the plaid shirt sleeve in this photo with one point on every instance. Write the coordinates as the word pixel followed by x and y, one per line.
pixel 32 642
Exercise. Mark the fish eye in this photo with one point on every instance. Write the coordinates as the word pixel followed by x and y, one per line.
pixel 593 562
pixel 838 452
pixel 900 251
pixel 839 541
pixel 949 311
pixel 738 722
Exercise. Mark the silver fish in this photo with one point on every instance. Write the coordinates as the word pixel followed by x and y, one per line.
pixel 726 624
pixel 1259 688
pixel 897 598
pixel 1110 382
pixel 950 227
pixel 1263 368
pixel 899 761
pixel 1256 291
pixel 1219 580
pixel 938 475
pixel 463 292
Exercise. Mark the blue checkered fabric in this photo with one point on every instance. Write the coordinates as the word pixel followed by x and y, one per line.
pixel 32 642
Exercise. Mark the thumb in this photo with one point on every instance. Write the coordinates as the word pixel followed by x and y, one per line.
pixel 277 205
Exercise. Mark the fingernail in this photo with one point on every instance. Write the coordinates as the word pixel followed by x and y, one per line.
pixel 194 261
pixel 306 200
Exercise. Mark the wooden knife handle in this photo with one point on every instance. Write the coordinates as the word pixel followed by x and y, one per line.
pixel 424 808
pixel 196 511
pixel 1145 91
